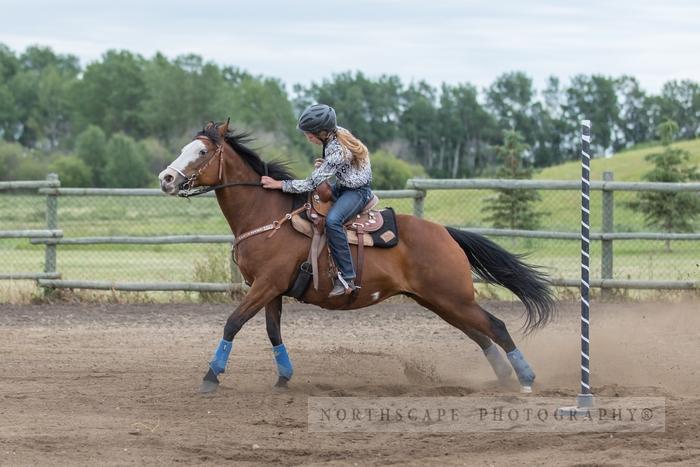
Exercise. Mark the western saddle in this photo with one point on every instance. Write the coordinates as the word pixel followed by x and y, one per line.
pixel 366 221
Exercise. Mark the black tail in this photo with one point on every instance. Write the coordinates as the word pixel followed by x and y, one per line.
pixel 497 266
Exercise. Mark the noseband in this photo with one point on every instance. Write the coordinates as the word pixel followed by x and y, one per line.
pixel 186 189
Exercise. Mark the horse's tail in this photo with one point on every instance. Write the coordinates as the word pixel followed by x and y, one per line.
pixel 497 266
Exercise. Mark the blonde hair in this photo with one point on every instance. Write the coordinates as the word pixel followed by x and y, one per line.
pixel 360 154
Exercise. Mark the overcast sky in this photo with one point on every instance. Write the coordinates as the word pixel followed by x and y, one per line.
pixel 452 41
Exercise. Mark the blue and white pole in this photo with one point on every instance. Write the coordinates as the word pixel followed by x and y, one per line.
pixel 585 398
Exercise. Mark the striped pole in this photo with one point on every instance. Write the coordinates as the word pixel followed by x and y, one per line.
pixel 585 398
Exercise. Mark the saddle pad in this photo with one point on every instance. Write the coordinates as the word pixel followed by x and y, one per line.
pixel 386 237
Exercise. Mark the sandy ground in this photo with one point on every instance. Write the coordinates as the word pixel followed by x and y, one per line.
pixel 116 385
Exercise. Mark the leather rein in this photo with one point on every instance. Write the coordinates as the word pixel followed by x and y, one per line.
pixel 187 192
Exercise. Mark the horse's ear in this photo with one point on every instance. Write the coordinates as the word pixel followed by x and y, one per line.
pixel 223 128
pixel 209 125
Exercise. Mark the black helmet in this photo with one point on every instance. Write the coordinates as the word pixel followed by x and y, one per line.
pixel 317 117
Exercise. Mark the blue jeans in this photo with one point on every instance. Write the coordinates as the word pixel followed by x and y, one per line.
pixel 348 202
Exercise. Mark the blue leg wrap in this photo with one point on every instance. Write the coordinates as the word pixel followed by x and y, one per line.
pixel 525 374
pixel 218 364
pixel 284 364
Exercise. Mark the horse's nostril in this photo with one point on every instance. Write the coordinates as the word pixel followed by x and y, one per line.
pixel 168 178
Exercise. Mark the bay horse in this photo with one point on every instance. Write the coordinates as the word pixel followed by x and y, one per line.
pixel 431 263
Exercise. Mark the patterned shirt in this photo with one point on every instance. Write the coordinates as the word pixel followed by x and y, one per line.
pixel 336 161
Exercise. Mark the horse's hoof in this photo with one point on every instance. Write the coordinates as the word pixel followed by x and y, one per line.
pixel 208 387
pixel 526 389
pixel 281 384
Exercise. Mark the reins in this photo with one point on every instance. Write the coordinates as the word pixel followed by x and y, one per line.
pixel 186 192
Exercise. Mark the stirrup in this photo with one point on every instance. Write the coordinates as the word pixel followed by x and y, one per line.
pixel 342 287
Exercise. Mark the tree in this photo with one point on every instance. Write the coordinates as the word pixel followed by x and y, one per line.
pixel 111 93
pixel 126 163
pixel 165 108
pixel 9 113
pixel 40 90
pixel 549 145
pixel 418 121
pixel 513 209
pixel 510 98
pixel 680 102
pixel 670 211
pixel 369 108
pixel 593 98
pixel 635 123
pixel 91 148
pixel 464 126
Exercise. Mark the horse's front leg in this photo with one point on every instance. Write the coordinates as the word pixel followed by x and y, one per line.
pixel 273 316
pixel 258 296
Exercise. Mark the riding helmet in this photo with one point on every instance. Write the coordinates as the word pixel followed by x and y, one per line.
pixel 317 117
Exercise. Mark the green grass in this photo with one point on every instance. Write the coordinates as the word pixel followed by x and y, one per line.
pixel 628 166
pixel 146 216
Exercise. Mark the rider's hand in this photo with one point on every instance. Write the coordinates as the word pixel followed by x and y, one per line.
pixel 270 183
pixel 317 163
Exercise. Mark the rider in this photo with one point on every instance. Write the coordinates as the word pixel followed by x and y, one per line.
pixel 346 158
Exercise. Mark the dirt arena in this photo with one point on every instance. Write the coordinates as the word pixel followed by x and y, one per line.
pixel 116 385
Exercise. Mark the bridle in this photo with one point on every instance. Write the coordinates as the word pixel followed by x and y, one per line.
pixel 185 188
pixel 186 191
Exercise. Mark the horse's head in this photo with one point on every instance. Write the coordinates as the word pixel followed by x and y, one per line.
pixel 199 164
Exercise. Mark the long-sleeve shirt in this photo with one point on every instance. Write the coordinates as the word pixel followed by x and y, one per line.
pixel 336 161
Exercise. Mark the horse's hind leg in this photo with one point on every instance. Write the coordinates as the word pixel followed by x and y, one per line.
pixel 467 316
pixel 499 364
pixel 526 376
pixel 273 316
pixel 472 315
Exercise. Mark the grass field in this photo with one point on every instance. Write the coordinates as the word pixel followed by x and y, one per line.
pixel 145 216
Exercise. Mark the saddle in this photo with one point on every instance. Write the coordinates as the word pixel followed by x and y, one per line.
pixel 369 228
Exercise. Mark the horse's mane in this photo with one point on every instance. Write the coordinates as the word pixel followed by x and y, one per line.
pixel 275 169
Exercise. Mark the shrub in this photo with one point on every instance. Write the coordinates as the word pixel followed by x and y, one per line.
pixel 391 173
pixel 72 171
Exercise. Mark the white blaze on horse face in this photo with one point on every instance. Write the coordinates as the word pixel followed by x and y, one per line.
pixel 175 174
pixel 190 154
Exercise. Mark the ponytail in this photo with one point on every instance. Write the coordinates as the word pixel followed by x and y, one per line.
pixel 360 154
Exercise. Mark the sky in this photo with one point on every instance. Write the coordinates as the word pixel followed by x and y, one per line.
pixel 438 41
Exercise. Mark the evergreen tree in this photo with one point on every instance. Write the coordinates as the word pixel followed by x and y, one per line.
pixel 670 211
pixel 513 209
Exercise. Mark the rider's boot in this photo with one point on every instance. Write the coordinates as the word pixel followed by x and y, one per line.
pixel 341 287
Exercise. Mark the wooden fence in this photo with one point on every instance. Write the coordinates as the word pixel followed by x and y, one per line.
pixel 417 189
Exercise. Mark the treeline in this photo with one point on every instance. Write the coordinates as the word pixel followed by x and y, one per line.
pixel 54 114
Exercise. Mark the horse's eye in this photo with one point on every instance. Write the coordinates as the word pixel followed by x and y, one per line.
pixel 202 152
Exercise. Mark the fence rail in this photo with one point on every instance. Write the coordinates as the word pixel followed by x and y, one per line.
pixel 417 191
pixel 507 184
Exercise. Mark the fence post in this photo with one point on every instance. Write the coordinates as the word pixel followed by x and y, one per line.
pixel 51 224
pixel 608 226
pixel 418 203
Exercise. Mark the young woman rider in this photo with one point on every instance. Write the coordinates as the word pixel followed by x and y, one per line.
pixel 346 158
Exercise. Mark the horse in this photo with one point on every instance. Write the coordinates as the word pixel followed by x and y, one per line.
pixel 432 264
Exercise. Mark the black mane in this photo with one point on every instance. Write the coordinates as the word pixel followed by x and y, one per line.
pixel 275 169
